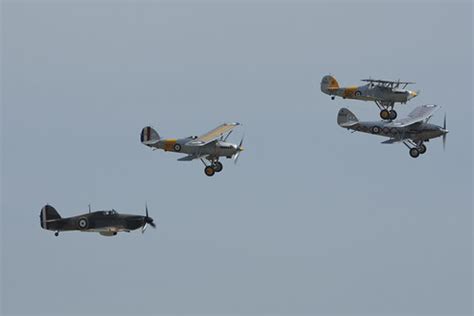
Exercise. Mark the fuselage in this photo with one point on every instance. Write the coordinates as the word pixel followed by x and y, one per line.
pixel 183 145
pixel 415 132
pixel 370 92
pixel 99 221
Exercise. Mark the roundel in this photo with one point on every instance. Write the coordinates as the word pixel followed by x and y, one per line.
pixel 357 93
pixel 83 223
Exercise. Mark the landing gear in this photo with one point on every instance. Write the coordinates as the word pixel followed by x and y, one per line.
pixel 415 149
pixel 414 152
pixel 333 97
pixel 386 110
pixel 218 166
pixel 56 234
pixel 392 114
pixel 384 114
pixel 215 166
pixel 209 171
pixel 422 149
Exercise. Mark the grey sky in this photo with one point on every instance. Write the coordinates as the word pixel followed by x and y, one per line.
pixel 313 219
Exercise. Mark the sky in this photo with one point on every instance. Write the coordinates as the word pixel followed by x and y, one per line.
pixel 313 220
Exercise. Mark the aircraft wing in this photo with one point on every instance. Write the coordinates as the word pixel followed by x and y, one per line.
pixel 213 135
pixel 387 81
pixel 419 114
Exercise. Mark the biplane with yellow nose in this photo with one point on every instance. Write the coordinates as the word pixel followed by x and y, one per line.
pixel 384 93
pixel 210 146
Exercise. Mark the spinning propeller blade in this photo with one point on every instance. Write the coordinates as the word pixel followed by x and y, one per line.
pixel 239 150
pixel 148 220
pixel 445 132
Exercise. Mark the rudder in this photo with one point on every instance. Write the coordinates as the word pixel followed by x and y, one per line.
pixel 48 214
pixel 149 136
pixel 346 118
pixel 329 83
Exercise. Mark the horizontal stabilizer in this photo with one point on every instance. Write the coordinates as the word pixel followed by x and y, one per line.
pixel 188 158
pixel 392 141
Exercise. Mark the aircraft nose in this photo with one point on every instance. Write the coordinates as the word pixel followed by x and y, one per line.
pixel 149 220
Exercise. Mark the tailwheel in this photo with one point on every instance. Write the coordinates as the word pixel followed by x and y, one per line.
pixel 384 114
pixel 56 234
pixel 392 114
pixel 209 171
pixel 333 97
pixel 422 149
pixel 218 166
pixel 414 152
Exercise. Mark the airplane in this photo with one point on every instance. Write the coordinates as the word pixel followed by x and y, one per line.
pixel 384 93
pixel 106 223
pixel 210 146
pixel 413 131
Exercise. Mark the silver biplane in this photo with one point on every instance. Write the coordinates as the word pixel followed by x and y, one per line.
pixel 413 131
pixel 384 93
pixel 210 146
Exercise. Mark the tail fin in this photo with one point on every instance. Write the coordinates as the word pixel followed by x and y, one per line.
pixel 329 83
pixel 48 214
pixel 346 118
pixel 149 136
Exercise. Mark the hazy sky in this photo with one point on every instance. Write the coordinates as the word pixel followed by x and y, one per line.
pixel 313 219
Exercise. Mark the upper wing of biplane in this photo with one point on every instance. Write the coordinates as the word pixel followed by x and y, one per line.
pixel 419 114
pixel 213 135
pixel 388 81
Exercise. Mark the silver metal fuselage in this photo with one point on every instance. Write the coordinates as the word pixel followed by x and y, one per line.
pixel 416 132
pixel 213 149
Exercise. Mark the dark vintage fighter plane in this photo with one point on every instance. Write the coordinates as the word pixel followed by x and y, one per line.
pixel 106 223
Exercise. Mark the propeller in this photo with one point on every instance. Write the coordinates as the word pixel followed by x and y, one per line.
pixel 239 150
pixel 445 132
pixel 148 220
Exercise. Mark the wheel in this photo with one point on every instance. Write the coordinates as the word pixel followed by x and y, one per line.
pixel 422 149
pixel 218 166
pixel 414 152
pixel 385 114
pixel 393 114
pixel 177 147
pixel 209 171
pixel 333 97
pixel 375 129
pixel 83 223
pixel 56 234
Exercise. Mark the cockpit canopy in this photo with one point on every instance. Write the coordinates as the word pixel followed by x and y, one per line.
pixel 109 213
